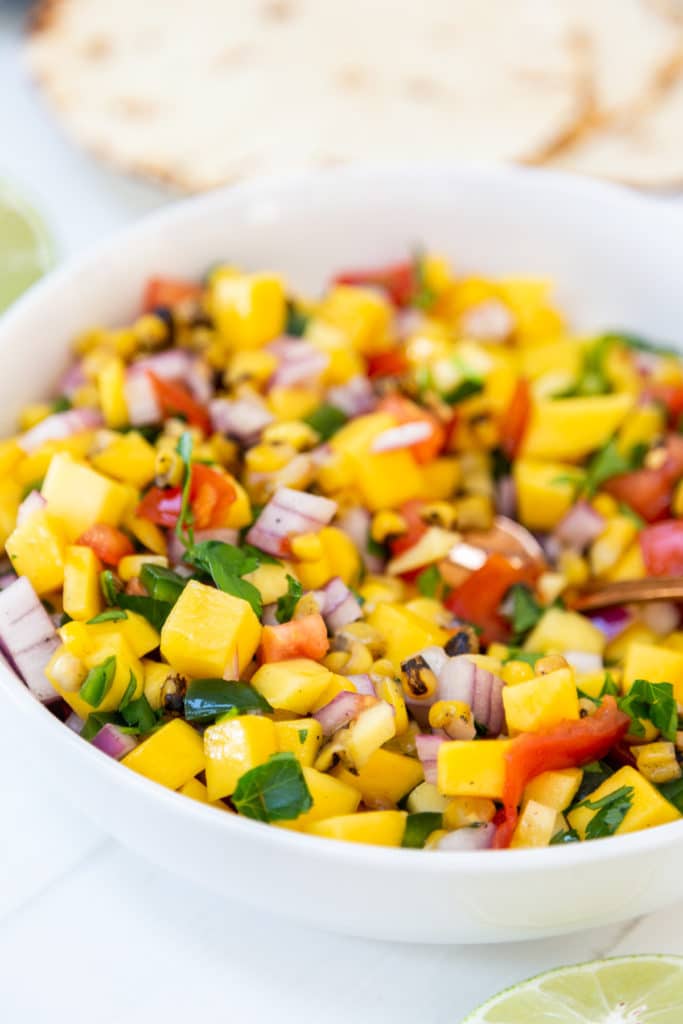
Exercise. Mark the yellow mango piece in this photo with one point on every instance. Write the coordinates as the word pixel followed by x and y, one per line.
pixel 462 811
pixel 154 675
pixel 330 797
pixel 643 426
pixel 270 581
pixel 92 651
pixel 554 789
pixel 391 691
pixel 472 767
pixel 384 779
pixel 36 549
pixel 440 478
pixel 536 826
pixel 128 458
pixel 630 565
pixel 545 491
pixel 196 790
pixel 209 633
pixel 426 798
pixel 294 685
pixel 570 428
pixel 593 683
pixel 130 566
pixel 171 756
pixel 10 499
pixel 363 316
pixel 654 663
pixel 405 632
pixel 82 597
pixel 674 641
pixel 239 514
pixel 232 748
pixel 337 684
pixel 32 469
pixel 135 629
pixel 384 479
pixel 148 534
pixel 648 806
pixel 81 497
pixel 249 310
pixel 377 828
pixel 293 403
pixel 11 455
pixel 541 703
pixel 560 631
pixel 344 363
pixel 111 380
pixel 300 736
pixel 565 355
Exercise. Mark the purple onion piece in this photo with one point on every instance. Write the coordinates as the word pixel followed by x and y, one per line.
pixel 59 426
pixel 579 527
pixel 242 418
pixel 611 621
pixel 428 751
pixel 506 497
pixel 33 502
pixel 289 513
pixel 299 362
pixel 341 607
pixel 402 436
pixel 354 398
pixel 141 400
pixel 28 637
pixel 363 684
pixel 474 837
pixel 341 710
pixel 110 740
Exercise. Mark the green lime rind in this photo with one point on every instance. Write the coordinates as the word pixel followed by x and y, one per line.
pixel 26 248
pixel 617 990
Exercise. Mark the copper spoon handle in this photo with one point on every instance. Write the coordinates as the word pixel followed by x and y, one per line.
pixel 602 595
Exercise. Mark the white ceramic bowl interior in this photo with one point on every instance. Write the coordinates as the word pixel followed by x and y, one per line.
pixel 616 259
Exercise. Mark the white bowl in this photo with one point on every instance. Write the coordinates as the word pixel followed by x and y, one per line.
pixel 616 259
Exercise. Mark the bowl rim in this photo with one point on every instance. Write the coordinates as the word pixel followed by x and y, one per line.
pixel 180 214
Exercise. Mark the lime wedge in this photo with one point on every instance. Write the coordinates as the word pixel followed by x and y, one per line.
pixel 624 990
pixel 25 248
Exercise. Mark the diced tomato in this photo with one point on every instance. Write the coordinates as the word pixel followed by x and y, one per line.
pixel 168 291
pixel 515 419
pixel 670 396
pixel 397 280
pixel 411 512
pixel 387 364
pixel 300 638
pixel 109 544
pixel 211 495
pixel 161 505
pixel 405 411
pixel 662 547
pixel 568 745
pixel 648 491
pixel 174 400
pixel 477 599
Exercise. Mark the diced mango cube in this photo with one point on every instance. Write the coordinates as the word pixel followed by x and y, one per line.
pixel 384 779
pixel 10 499
pixel 128 458
pixel 554 789
pixel 248 309
pixel 648 806
pixel 82 597
pixel 545 491
pixel 361 314
pixel 130 566
pixel 234 747
pixel 405 632
pixel 472 767
pixel 209 633
pixel 330 797
pixel 536 826
pixel 111 392
pixel 656 664
pixel 294 685
pixel 36 549
pixel 378 828
pixel 80 496
pixel 559 631
pixel 171 756
pixel 570 428
pixel 301 737
pixel 384 479
pixel 136 630
pixel 373 728
pixel 541 703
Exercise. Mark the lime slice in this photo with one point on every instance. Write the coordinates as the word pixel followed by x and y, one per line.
pixel 624 990
pixel 25 248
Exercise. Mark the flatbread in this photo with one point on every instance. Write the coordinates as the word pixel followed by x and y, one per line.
pixel 202 92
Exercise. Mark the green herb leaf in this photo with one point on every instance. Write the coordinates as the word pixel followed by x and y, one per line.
pixel 162 584
pixel 156 612
pixel 517 654
pixel 296 321
pixel 608 688
pixel 465 389
pixel 653 701
pixel 185 524
pixel 111 615
pixel 205 699
pixel 130 690
pixel 140 717
pixel 274 791
pixel 98 681
pixel 594 774
pixel 429 581
pixel 609 462
pixel 303 735
pixel 526 611
pixel 419 827
pixel 226 564
pixel 673 792
pixel 288 602
pixel 566 835
pixel 640 344
pixel 326 420
pixel 423 296
pixel 96 721
pixel 61 404
pixel 262 557
pixel 610 812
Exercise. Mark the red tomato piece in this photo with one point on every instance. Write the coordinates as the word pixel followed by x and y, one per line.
pixel 568 745
pixel 670 395
pixel 174 400
pixel 211 495
pixel 662 547
pixel 405 411
pixel 161 506
pixel 397 280
pixel 515 419
pixel 168 291
pixel 300 638
pixel 387 364
pixel 109 544
pixel 648 491
pixel 477 599
pixel 411 512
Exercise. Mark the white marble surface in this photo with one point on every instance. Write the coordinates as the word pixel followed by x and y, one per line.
pixel 88 931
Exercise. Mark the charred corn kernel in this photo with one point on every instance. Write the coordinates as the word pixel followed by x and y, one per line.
pixel 336 661
pixel 426 798
pixel 605 505
pixel 555 789
pixel 36 549
pixel 536 826
pixel 82 596
pixel 148 534
pixel 80 497
pixel 67 671
pixel 418 681
pixel 514 672
pixel 169 468
pixel 306 605
pixel 387 524
pixel 131 566
pixel 154 676
pixel 10 499
pixel 248 309
pixel 541 703
pixel 440 513
pixel 250 366
pixel 677 503
pixel 302 737
pixel 550 663
pixel 233 747
pixel 446 713
pixel 389 690
pixel 293 432
pixel 128 458
pixel 382 667
pixel 111 393
pixel 360 660
pixel 404 632
pixel 33 414
pixel 657 762
pixel 606 551
pixel 474 512
pixel 361 314
pixel 463 811
pixel 330 797
pixel 307 547
pixel 574 568
pixel 171 756
pixel 384 779
pixel 265 458
pixel 586 706
pixel 648 806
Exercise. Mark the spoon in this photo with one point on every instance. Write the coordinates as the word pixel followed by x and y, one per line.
pixel 602 595
pixel 506 537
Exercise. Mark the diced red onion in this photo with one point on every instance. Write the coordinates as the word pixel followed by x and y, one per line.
pixel 341 710
pixel 428 752
pixel 33 502
pixel 242 418
pixel 462 680
pixel 436 659
pixel 341 607
pixel 407 322
pixel 110 740
pixel 611 621
pixel 7 579
pixel 354 398
pixel 287 514
pixel 141 400
pixel 59 426
pixel 74 722
pixel 222 533
pixel 299 362
pixel 199 380
pixel 583 661
pixel 269 614
pixel 661 617
pixel 28 637
pixel 363 684
pixel 489 320
pixel 579 527
pixel 469 838
pixel 171 364
pixel 402 436
pixel 71 380
pixel 506 497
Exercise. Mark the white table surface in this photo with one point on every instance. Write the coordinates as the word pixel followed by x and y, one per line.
pixel 88 930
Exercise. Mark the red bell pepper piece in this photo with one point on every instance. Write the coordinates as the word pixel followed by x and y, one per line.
pixel 387 364
pixel 109 544
pixel 211 495
pixel 300 638
pixel 168 291
pixel 568 745
pixel 648 491
pixel 515 419
pixel 662 547
pixel 397 280
pixel 174 400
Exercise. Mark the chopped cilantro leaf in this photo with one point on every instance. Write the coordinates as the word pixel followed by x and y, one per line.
pixel 655 702
pixel 185 524
pixel 610 812
pixel 326 420
pixel 288 602
pixel 419 827
pixel 526 611
pixel 429 581
pixel 111 615
pixel 274 791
